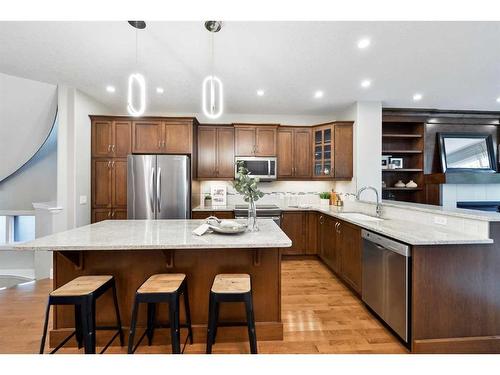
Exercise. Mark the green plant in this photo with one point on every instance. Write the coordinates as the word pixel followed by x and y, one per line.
pixel 246 185
pixel 208 197
pixel 324 195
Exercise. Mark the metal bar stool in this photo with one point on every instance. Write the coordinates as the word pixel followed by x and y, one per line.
pixel 157 289
pixel 231 288
pixel 83 292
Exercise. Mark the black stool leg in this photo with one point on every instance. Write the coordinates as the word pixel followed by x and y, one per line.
pixel 216 325
pixel 87 325
pixel 173 306
pixel 151 322
pixel 133 324
pixel 251 323
pixel 117 312
pixel 188 312
pixel 211 323
pixel 45 326
pixel 78 325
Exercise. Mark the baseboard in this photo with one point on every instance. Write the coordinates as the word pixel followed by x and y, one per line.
pixel 458 345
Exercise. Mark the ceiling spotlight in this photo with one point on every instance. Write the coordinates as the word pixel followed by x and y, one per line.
pixel 319 94
pixel 110 89
pixel 159 90
pixel 138 24
pixel 260 92
pixel 366 83
pixel 363 43
pixel 498 99
pixel 417 97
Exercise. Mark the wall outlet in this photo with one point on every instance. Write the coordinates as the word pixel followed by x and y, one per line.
pixel 441 220
pixel 83 199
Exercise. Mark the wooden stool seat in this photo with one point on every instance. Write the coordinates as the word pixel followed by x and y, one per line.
pixel 231 283
pixel 162 283
pixel 81 286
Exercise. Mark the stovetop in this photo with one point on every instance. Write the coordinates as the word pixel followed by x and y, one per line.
pixel 262 210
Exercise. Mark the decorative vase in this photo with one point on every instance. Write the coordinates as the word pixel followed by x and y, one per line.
pixel 411 184
pixel 252 216
pixel 324 202
pixel 400 184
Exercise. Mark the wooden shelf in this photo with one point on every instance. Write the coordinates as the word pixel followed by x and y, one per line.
pixel 403 170
pixel 394 135
pixel 402 189
pixel 401 151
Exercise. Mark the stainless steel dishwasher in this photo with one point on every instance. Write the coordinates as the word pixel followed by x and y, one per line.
pixel 386 272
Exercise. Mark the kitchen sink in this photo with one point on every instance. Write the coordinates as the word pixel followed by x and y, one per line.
pixel 358 216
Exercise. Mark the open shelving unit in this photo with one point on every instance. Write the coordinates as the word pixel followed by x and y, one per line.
pixel 404 140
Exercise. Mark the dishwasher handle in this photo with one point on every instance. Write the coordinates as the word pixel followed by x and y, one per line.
pixel 384 243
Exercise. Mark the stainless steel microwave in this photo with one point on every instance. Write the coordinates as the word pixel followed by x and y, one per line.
pixel 265 168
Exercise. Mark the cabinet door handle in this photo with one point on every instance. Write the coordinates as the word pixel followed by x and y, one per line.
pixel 113 164
pixel 109 214
pixel 109 164
pixel 321 219
pixel 113 148
pixel 113 214
pixel 109 148
pixel 159 144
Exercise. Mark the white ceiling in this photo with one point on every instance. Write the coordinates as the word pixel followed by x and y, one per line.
pixel 454 65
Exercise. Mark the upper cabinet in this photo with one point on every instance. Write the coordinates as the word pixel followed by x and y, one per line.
pixel 255 140
pixel 172 136
pixel 294 153
pixel 111 138
pixel 333 150
pixel 216 152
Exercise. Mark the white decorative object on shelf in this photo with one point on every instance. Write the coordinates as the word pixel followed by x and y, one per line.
pixel 411 184
pixel 400 184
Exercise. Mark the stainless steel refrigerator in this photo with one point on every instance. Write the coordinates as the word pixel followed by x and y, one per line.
pixel 159 187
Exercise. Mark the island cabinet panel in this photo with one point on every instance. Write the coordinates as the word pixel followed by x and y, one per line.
pixel 295 226
pixel 147 137
pixel 219 214
pixel 255 140
pixel 215 152
pixel 294 153
pixel 102 183
pixel 132 267
pixel 349 248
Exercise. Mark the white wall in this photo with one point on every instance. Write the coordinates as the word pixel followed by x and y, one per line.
pixel 367 116
pixel 453 193
pixel 73 170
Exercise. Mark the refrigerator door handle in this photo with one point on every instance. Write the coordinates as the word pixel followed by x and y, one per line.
pixel 151 189
pixel 158 189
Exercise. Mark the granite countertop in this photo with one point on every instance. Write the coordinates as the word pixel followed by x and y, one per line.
pixel 156 234
pixel 409 232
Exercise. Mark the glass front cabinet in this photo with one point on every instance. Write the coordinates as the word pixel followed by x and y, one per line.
pixel 323 151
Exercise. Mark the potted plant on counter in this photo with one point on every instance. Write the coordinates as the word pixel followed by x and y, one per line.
pixel 208 200
pixel 324 198
pixel 247 186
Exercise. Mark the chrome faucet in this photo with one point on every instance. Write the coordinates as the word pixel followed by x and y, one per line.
pixel 378 210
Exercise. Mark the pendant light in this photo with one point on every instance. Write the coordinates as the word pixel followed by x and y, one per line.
pixel 212 89
pixel 136 93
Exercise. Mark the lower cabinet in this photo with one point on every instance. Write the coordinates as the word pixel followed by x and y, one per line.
pixel 340 249
pixel 219 214
pixel 294 226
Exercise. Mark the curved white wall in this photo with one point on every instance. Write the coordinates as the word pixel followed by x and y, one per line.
pixel 27 113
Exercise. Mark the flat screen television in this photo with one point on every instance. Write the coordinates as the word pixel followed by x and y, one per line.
pixel 467 152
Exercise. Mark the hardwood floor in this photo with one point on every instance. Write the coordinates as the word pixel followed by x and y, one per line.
pixel 320 315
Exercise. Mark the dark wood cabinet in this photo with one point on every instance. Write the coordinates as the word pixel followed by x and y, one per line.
pixel 111 138
pixel 255 140
pixel 328 239
pixel 343 150
pixel 109 187
pixel 219 214
pixel 294 225
pixel 147 137
pixel 101 214
pixel 294 153
pixel 215 152
pixel 333 151
pixel 178 136
pixel 119 183
pixel 173 136
pixel 349 247
pixel 312 240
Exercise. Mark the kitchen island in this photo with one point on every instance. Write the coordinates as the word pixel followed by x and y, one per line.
pixel 133 250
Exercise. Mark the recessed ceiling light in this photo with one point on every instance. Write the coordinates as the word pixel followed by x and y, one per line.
pixel 366 83
pixel 260 92
pixel 319 94
pixel 498 99
pixel 110 89
pixel 417 97
pixel 159 90
pixel 363 43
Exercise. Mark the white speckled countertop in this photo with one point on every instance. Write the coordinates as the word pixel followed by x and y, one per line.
pixel 412 233
pixel 156 234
